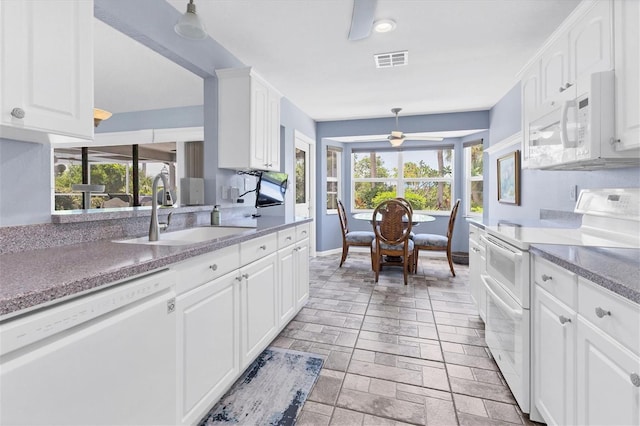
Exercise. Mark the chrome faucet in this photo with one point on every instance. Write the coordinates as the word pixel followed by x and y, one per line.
pixel 154 227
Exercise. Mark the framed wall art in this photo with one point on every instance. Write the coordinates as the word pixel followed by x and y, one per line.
pixel 509 178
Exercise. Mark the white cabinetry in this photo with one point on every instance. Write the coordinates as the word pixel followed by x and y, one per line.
pixel 586 346
pixel 293 261
pixel 208 330
pixel 554 334
pixel 287 287
pixel 477 268
pixel 208 344
pixel 627 73
pixel 232 302
pixel 46 71
pixel 248 121
pixel 301 265
pixel 583 48
pixel 258 306
pixel 608 361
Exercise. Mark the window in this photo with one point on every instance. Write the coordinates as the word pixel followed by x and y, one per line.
pixel 423 177
pixel 112 167
pixel 474 178
pixel 334 162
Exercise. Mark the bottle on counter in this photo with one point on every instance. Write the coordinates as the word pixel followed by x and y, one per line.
pixel 215 215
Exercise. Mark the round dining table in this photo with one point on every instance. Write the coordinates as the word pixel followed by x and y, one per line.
pixel 416 218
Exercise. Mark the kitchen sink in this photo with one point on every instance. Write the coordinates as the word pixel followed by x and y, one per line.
pixel 189 236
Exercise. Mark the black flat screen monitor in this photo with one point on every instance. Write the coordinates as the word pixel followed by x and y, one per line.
pixel 271 189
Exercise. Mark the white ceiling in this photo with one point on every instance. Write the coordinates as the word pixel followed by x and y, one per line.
pixel 463 55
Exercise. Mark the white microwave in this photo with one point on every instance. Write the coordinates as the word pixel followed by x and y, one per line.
pixel 576 131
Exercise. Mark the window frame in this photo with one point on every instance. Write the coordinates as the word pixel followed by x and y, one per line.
pixel 338 178
pixel 469 179
pixel 399 181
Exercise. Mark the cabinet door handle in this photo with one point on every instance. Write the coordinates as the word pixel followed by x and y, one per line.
pixel 635 379
pixel 304 232
pixel 601 313
pixel 18 113
pixel 263 247
pixel 213 267
pixel 245 276
pixel 475 250
pixel 561 89
pixel 238 278
pixel 546 277
pixel 563 320
pixel 288 238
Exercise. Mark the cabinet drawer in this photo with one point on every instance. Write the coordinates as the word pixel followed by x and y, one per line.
pixel 286 237
pixel 616 316
pixel 562 284
pixel 257 248
pixel 303 231
pixel 475 233
pixel 202 269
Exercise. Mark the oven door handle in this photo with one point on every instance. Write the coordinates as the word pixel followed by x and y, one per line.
pixel 488 285
pixel 513 256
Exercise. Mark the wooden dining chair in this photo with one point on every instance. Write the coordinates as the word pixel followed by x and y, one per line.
pixel 436 242
pixel 352 238
pixel 392 237
pixel 408 204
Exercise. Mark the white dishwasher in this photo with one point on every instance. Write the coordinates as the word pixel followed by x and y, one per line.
pixel 107 358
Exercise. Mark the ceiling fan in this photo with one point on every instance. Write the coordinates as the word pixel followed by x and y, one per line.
pixel 396 138
pixel 362 19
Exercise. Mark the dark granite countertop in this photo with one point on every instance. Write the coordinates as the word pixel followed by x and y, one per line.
pixel 615 269
pixel 38 278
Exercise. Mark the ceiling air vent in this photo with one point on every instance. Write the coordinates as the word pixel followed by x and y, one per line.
pixel 391 59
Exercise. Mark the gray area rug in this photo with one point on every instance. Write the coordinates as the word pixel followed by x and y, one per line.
pixel 270 392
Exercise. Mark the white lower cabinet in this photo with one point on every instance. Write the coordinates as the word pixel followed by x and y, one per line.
pixel 208 345
pixel 301 271
pixel 258 306
pixel 554 354
pixel 477 268
pixel 585 351
pixel 287 295
pixel 231 304
pixel 608 361
pixel 608 385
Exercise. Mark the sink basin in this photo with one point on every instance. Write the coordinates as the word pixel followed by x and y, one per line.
pixel 188 236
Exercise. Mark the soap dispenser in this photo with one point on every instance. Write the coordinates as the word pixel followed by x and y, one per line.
pixel 215 215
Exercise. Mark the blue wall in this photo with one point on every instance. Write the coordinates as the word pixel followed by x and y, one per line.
pixel 25 183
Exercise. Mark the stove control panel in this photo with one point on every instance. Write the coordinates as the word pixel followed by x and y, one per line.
pixel 623 203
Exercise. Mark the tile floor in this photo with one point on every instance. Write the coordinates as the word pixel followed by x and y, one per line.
pixel 397 354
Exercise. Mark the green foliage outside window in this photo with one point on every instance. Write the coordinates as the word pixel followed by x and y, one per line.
pixel 429 195
pixel 111 175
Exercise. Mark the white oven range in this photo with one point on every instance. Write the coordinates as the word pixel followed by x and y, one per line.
pixel 610 218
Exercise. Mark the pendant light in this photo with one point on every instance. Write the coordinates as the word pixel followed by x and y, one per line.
pixel 189 25
pixel 99 115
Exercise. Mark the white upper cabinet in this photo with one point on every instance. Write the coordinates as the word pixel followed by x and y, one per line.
pixel 554 70
pixel 248 121
pixel 530 93
pixel 627 74
pixel 581 49
pixel 46 71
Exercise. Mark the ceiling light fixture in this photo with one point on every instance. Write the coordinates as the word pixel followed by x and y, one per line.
pixel 397 137
pixel 189 25
pixel 384 26
pixel 99 115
